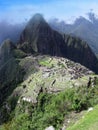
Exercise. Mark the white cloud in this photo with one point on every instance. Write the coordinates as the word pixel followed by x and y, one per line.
pixel 60 8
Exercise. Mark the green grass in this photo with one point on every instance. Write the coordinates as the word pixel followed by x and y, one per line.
pixel 88 122
pixel 19 54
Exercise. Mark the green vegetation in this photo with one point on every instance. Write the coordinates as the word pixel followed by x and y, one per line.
pixel 52 108
pixel 52 105
pixel 19 53
pixel 46 61
pixel 88 122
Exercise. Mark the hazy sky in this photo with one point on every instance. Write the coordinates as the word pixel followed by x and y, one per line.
pixel 19 10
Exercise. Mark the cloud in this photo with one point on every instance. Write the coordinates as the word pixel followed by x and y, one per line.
pixel 54 8
pixel 14 16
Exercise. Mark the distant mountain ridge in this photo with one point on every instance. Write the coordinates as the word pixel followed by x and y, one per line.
pixel 82 27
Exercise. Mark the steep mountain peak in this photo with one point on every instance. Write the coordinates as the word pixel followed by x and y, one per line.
pixel 37 17
pixel 92 17
pixel 6 50
pixel 7 44
pixel 36 21
pixel 7 47
pixel 81 21
pixel 39 37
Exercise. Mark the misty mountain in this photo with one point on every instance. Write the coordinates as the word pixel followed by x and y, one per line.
pixel 84 28
pixel 38 37
pixel 87 29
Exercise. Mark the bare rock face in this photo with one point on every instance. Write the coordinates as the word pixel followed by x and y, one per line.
pixel 10 71
pixel 39 37
pixel 6 50
pixel 79 51
pixel 50 128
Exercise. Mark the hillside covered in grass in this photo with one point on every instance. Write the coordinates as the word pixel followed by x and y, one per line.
pixel 89 121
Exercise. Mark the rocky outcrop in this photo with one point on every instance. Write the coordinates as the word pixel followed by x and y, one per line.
pixel 50 128
pixel 82 27
pixel 53 76
pixel 6 51
pixel 79 51
pixel 11 72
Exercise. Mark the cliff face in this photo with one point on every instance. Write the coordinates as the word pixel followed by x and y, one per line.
pixel 39 37
pixel 11 72
pixel 86 29
pixel 6 50
pixel 79 51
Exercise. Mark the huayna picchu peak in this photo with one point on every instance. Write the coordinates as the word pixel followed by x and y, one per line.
pixel 37 18
pixel 40 38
